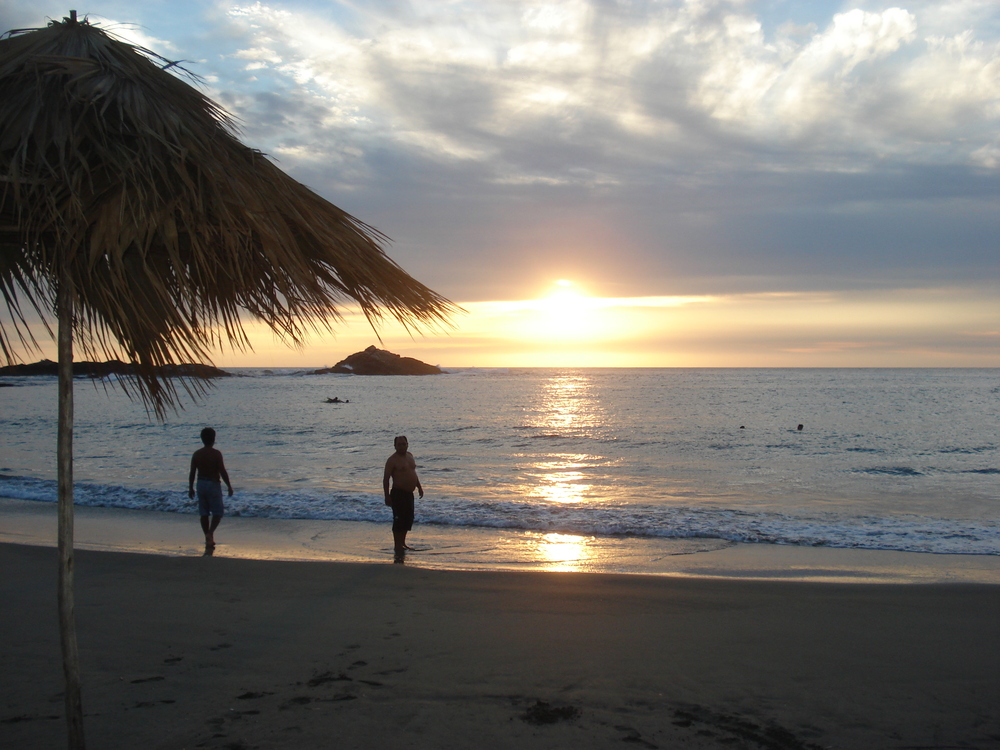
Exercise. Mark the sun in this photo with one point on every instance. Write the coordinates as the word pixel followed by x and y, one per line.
pixel 565 295
pixel 565 312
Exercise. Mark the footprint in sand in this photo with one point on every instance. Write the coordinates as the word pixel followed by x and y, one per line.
pixel 151 704
pixel 322 679
pixel 632 735
pixel 769 736
pixel 299 700
pixel 544 713
pixel 25 717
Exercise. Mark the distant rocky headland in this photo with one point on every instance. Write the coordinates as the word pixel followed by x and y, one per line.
pixel 373 361
pixel 115 367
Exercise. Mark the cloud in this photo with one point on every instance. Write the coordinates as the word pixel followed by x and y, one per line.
pixel 683 148
pixel 545 86
pixel 792 87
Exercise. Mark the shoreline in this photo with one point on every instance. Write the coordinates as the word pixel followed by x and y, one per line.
pixel 484 549
pixel 185 652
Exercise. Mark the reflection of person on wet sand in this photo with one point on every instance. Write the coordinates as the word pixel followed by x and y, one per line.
pixel 401 468
pixel 210 469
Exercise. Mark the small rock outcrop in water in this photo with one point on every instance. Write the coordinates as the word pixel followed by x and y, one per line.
pixel 114 367
pixel 374 361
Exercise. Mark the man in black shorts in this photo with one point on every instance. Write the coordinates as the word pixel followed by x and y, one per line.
pixel 402 470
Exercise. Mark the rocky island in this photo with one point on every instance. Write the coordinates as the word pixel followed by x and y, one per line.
pixel 115 367
pixel 374 361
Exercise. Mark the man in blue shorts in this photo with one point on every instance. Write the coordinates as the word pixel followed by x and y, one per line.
pixel 402 470
pixel 210 469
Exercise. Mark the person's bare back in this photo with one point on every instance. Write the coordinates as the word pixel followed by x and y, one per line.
pixel 209 468
pixel 208 464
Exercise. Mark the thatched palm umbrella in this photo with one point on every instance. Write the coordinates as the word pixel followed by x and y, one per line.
pixel 129 209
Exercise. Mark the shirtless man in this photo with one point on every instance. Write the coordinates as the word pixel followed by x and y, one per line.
pixel 402 469
pixel 208 465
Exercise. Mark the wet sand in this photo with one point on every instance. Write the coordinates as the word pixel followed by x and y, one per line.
pixel 457 548
pixel 216 652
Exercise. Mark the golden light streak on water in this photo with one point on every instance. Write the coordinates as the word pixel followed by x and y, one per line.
pixel 566 406
pixel 565 552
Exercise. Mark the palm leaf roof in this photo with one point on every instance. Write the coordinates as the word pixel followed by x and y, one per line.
pixel 127 182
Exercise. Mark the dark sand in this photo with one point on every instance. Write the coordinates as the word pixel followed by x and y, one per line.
pixel 186 652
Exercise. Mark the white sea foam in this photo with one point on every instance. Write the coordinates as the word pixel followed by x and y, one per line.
pixel 904 533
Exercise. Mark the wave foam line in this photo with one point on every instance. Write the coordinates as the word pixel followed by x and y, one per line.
pixel 902 533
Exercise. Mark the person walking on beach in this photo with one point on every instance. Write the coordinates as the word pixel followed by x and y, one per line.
pixel 402 470
pixel 210 469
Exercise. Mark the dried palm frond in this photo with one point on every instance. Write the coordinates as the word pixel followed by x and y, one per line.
pixel 133 181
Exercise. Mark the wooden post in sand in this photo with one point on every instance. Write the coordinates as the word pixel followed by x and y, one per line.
pixel 67 616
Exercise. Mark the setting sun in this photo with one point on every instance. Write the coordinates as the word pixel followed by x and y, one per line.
pixel 565 312
pixel 565 291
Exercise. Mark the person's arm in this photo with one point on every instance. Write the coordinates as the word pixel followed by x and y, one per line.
pixel 225 475
pixel 191 479
pixel 385 479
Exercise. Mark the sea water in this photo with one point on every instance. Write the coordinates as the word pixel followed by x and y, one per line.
pixel 891 459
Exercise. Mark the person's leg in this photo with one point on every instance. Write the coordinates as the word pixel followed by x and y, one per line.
pixel 216 520
pixel 399 540
pixel 210 502
pixel 405 519
pixel 204 511
pixel 398 529
pixel 209 527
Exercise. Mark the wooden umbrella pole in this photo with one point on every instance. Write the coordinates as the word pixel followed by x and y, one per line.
pixel 67 616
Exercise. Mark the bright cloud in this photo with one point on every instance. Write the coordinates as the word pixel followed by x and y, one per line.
pixel 589 73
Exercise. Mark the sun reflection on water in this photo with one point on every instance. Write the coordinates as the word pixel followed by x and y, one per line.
pixel 567 402
pixel 567 409
pixel 560 480
pixel 564 552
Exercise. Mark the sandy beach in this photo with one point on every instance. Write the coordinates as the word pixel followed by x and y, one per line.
pixel 464 548
pixel 191 651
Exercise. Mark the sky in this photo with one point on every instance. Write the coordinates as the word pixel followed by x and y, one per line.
pixel 703 183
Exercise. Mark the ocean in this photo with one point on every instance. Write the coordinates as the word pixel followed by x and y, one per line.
pixel 887 459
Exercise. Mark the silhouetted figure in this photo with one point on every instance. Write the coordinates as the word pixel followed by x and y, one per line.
pixel 401 468
pixel 799 428
pixel 210 469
